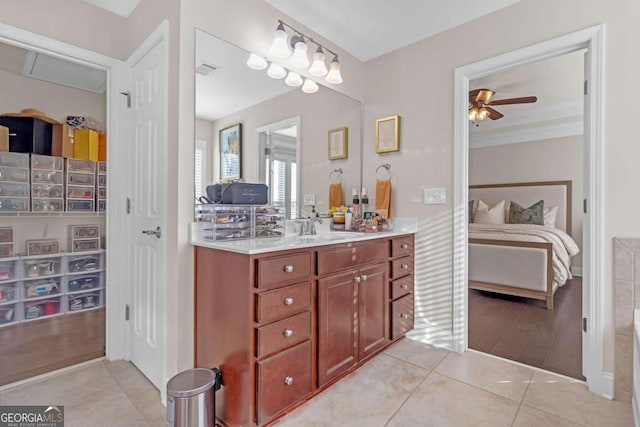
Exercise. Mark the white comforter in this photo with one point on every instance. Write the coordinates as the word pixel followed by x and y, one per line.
pixel 564 247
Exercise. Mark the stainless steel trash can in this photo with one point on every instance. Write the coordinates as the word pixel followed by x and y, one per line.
pixel 191 398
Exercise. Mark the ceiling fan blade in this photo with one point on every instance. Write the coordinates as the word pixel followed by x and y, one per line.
pixel 522 100
pixel 481 96
pixel 494 114
pixel 472 95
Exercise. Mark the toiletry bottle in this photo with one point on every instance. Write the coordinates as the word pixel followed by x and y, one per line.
pixel 347 220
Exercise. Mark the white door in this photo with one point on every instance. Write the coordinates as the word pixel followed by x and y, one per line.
pixel 148 213
pixel 586 236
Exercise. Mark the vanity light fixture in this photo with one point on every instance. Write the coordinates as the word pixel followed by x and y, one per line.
pixel 279 47
pixel 299 58
pixel 293 79
pixel 256 62
pixel 334 76
pixel 318 68
pixel 276 71
pixel 310 86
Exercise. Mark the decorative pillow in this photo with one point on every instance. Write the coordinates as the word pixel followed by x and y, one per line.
pixel 489 215
pixel 471 203
pixel 534 214
pixel 550 216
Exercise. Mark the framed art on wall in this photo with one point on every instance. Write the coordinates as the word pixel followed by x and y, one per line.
pixel 231 152
pixel 338 143
pixel 388 134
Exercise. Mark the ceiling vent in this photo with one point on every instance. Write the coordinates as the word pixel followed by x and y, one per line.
pixel 205 69
pixel 64 72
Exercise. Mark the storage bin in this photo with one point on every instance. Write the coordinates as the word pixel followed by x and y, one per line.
pixel 83 282
pixel 14 160
pixel 28 134
pixel 85 146
pixel 85 245
pixel 14 174
pixel 6 250
pixel 9 292
pixel 80 192
pixel 102 205
pixel 42 308
pixel 234 222
pixel 84 263
pixel 102 167
pixel 62 140
pixel 78 165
pixel 39 288
pixel 14 204
pixel 49 191
pixel 6 234
pixel 76 178
pixel 14 189
pixel 77 302
pixel 102 180
pixel 9 270
pixel 46 162
pixel 41 266
pixel 9 313
pixel 102 193
pixel 42 247
pixel 47 205
pixel 84 231
pixel 80 205
pixel 46 176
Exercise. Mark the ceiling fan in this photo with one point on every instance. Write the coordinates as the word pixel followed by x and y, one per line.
pixel 480 104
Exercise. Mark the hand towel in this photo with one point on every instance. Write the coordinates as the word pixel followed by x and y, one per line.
pixel 383 196
pixel 335 195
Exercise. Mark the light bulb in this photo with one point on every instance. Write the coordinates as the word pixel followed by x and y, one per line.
pixel 318 68
pixel 256 62
pixel 473 114
pixel 483 114
pixel 279 47
pixel 299 58
pixel 310 86
pixel 276 71
pixel 293 79
pixel 334 75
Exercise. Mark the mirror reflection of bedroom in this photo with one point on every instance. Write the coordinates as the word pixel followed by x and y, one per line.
pixel 525 211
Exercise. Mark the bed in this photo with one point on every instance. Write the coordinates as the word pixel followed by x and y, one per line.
pixel 524 260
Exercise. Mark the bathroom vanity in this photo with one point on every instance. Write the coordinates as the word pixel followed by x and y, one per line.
pixel 285 318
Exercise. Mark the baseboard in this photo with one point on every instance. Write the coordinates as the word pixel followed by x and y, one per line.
pixel 51 374
pixel 436 337
pixel 576 271
pixel 608 385
pixel 636 413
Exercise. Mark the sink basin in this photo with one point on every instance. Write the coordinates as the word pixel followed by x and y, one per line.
pixel 329 237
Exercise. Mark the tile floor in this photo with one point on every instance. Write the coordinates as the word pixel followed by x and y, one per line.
pixel 410 384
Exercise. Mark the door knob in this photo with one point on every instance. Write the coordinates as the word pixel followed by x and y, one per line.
pixel 157 232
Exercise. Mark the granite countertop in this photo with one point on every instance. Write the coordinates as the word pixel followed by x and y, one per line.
pixel 325 236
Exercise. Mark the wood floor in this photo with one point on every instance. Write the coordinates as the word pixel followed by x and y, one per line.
pixel 521 329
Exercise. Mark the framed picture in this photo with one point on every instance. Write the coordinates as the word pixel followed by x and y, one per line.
pixel 388 134
pixel 231 152
pixel 339 143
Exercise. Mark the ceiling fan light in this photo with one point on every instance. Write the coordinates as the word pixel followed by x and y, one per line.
pixel 310 86
pixel 279 47
pixel 256 62
pixel 473 114
pixel 299 58
pixel 334 76
pixel 293 79
pixel 276 71
pixel 483 113
pixel 318 68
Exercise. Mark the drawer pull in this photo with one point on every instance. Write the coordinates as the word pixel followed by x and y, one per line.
pixel 405 266
pixel 288 380
pixel 287 333
pixel 364 277
pixel 404 246
pixel 404 286
pixel 404 316
pixel 288 301
pixel 357 279
pixel 288 268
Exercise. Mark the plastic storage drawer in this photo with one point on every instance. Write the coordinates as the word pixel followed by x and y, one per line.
pixel 14 189
pixel 80 165
pixel 9 313
pixel 8 270
pixel 9 292
pixel 84 282
pixel 80 205
pixel 13 174
pixel 77 178
pixel 46 162
pixel 47 176
pixel 54 191
pixel 47 205
pixel 6 250
pixel 84 263
pixel 80 192
pixel 84 301
pixel 14 204
pixel 42 308
pixel 14 160
pixel 41 266
pixel 39 288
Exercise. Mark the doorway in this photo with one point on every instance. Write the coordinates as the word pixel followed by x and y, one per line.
pixel 593 305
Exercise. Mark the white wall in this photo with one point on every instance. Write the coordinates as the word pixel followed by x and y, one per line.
pixel 549 160
pixel 417 83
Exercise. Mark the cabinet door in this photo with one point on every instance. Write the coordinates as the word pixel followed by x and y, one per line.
pixel 373 309
pixel 337 322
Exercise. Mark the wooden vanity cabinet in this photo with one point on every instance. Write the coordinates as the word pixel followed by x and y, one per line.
pixel 283 325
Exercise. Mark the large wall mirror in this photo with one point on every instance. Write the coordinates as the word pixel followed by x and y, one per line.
pixel 252 126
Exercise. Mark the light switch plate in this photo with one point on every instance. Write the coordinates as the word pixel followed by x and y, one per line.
pixel 310 199
pixel 435 196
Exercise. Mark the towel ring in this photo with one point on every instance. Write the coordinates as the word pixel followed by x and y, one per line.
pixel 387 167
pixel 335 176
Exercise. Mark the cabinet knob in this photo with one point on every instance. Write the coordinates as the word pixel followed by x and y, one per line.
pixel 287 333
pixel 288 268
pixel 404 316
pixel 404 246
pixel 405 266
pixel 364 277
pixel 357 279
pixel 288 301
pixel 288 380
pixel 404 286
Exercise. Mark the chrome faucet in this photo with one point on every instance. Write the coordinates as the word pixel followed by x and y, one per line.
pixel 311 224
pixel 308 226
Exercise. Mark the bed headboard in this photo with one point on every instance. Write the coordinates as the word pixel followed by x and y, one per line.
pixel 554 193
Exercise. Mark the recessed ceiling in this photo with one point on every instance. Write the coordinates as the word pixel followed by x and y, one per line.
pixel 370 28
pixel 119 7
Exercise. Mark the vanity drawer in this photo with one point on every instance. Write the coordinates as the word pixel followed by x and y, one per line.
pixel 402 246
pixel 401 287
pixel 284 333
pixel 286 268
pixel 401 266
pixel 333 260
pixel 401 316
pixel 283 301
pixel 283 380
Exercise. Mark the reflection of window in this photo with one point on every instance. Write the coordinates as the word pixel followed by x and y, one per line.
pixel 200 168
pixel 230 165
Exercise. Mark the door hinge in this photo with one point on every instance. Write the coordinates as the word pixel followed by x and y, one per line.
pixel 128 205
pixel 267 151
pixel 126 312
pixel 586 90
pixel 584 325
pixel 128 95
pixel 584 205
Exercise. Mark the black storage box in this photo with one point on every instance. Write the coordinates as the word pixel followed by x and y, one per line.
pixel 28 134
pixel 238 193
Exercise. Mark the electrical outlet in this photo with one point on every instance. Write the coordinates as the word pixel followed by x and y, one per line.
pixel 435 196
pixel 309 199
